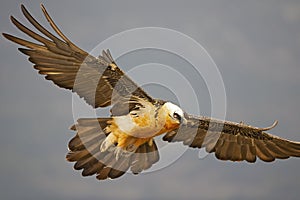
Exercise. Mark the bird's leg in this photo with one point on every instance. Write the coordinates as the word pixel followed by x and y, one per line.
pixel 128 145
pixel 125 146
pixel 122 144
pixel 109 143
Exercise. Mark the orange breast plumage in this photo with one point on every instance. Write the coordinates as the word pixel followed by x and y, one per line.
pixel 143 120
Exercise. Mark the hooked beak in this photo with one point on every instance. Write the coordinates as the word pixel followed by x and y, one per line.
pixel 184 121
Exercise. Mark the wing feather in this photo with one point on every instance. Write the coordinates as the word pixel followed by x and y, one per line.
pixel 97 80
pixel 233 141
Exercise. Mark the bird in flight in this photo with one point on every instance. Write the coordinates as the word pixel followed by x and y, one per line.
pixel 109 146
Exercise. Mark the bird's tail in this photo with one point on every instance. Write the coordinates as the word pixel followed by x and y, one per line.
pixel 84 149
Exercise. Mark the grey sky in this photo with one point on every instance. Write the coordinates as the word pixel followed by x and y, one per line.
pixel 256 46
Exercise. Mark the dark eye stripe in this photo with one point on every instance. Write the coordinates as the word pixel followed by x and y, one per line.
pixel 177 116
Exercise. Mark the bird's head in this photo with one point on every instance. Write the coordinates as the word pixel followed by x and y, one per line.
pixel 174 115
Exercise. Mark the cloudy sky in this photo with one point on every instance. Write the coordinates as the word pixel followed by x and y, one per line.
pixel 256 46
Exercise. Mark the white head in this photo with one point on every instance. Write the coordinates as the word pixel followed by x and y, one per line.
pixel 175 113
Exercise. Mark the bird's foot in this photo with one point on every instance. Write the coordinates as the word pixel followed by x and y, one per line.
pixel 120 152
pixel 109 143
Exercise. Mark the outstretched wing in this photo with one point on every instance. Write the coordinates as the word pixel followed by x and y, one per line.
pixel 233 141
pixel 98 80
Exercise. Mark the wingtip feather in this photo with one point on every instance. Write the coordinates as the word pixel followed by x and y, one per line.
pixel 9 36
pixel 22 6
pixel 5 35
pixel 23 9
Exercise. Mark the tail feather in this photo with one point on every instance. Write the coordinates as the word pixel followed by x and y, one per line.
pixel 91 170
pixel 119 171
pixel 84 150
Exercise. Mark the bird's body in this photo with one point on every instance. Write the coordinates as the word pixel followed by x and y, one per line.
pixel 143 123
pixel 140 126
pixel 109 146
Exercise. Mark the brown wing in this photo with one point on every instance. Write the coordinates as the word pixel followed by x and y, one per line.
pixel 233 141
pixel 98 80
pixel 85 152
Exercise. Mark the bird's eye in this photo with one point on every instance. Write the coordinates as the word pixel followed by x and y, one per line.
pixel 177 116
